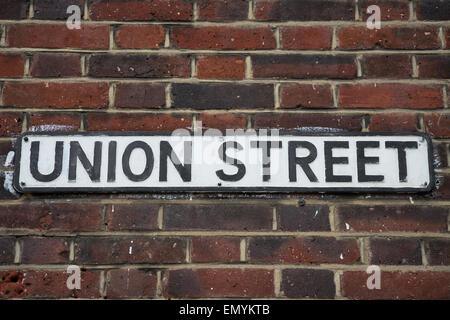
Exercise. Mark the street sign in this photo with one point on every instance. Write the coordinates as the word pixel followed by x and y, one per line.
pixel 245 161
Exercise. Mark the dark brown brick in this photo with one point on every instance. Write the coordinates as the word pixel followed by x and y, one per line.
pixel 55 10
pixel 305 10
pixel 389 9
pixel 215 249
pixel 438 252
pixel 304 66
pixel 303 250
pixel 308 283
pixel 113 250
pixel 140 95
pixel 133 216
pixel 395 251
pixel 433 10
pixel 198 283
pixel 222 96
pixel 222 10
pixel 387 66
pixel 68 216
pixel 146 10
pixel 392 219
pixel 14 10
pixel 130 283
pixel 218 217
pixel 7 251
pixel 139 66
pixel 307 218
pixel 55 65
pixel 305 96
pixel 434 67
pixel 6 155
pixel 397 285
pixel 40 250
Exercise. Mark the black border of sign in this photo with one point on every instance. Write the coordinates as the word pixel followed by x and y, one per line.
pixel 18 188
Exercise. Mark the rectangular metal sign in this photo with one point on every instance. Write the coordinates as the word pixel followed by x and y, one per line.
pixel 118 162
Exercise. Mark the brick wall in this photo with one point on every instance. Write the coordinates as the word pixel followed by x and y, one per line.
pixel 158 65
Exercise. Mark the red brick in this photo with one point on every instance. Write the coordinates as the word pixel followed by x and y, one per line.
pixel 11 65
pixel 7 251
pixel 220 67
pixel 10 123
pixel 397 285
pixel 47 284
pixel 388 37
pixel 222 10
pixel 222 121
pixel 140 37
pixel 137 122
pixel 146 10
pixel 304 66
pixel 434 66
pixel 395 251
pixel 39 250
pixel 438 125
pixel 198 283
pixel 306 218
pixel 56 95
pixel 306 38
pixel 315 122
pixel 433 10
pixel 443 189
pixel 447 37
pixel 112 250
pixel 55 65
pixel 308 283
pixel 305 10
pixel 68 216
pixel 303 250
pixel 56 36
pixel 390 95
pixel 390 9
pixel 222 96
pixel 215 249
pixel 438 252
pixel 133 216
pixel 139 66
pixel 392 219
pixel 14 10
pixel 305 96
pixel 222 38
pixel 140 95
pixel 53 122
pixel 386 66
pixel 130 283
pixel 218 217
pixel 396 122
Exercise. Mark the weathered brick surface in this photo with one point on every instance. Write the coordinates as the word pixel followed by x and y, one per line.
pixel 309 66
pixel 397 285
